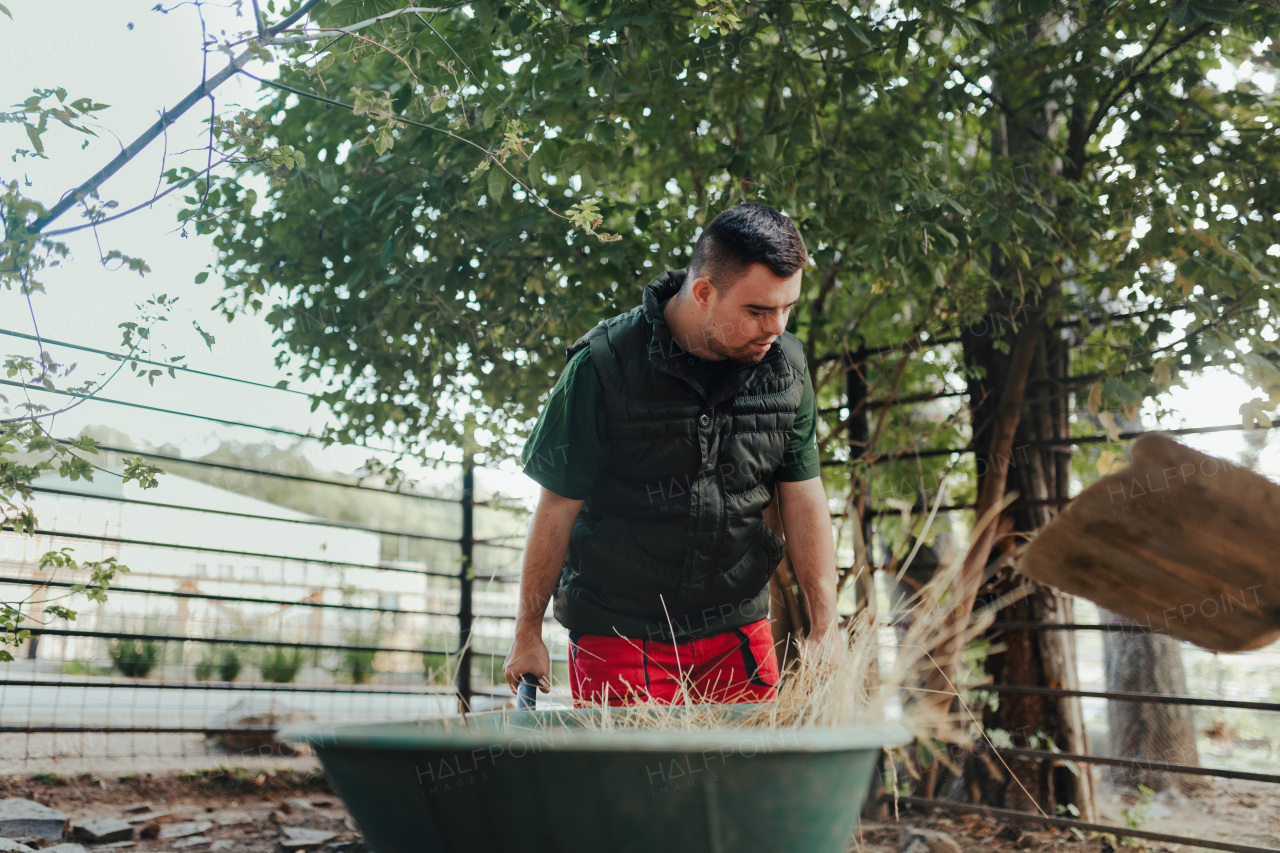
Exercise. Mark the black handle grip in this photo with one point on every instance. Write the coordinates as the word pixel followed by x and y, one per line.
pixel 527 696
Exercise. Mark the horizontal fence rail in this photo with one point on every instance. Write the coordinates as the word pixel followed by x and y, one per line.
pixel 1014 816
pixel 449 621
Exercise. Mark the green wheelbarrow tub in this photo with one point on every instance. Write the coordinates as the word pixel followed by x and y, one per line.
pixel 539 781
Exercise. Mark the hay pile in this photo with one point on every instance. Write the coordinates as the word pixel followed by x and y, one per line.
pixel 846 686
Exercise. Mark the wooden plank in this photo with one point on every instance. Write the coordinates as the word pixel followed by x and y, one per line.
pixel 1178 541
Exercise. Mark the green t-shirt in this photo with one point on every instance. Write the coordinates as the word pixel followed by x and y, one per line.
pixel 570 442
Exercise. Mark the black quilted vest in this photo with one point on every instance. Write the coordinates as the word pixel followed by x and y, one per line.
pixel 671 541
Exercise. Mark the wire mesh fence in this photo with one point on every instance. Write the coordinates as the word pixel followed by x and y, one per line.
pixel 1220 791
pixel 239 614
pixel 243 610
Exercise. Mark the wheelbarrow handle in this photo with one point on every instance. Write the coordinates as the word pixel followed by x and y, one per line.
pixel 527 697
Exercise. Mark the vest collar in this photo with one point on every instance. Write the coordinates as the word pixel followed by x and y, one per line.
pixel 665 285
pixel 668 356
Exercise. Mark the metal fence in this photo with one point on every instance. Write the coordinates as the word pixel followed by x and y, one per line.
pixel 1238 742
pixel 245 615
pixel 238 614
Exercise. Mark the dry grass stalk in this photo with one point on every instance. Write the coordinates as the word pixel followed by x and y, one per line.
pixel 847 687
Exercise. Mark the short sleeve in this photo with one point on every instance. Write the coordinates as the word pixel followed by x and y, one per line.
pixel 569 444
pixel 800 462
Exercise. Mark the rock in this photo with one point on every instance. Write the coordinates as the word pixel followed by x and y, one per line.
pixel 185 828
pixel 921 840
pixel 65 848
pixel 193 841
pixel 234 818
pixel 8 845
pixel 258 712
pixel 137 808
pixel 104 831
pixel 154 817
pixel 346 847
pixel 300 838
pixel 222 844
pixel 119 845
pixel 299 803
pixel 27 818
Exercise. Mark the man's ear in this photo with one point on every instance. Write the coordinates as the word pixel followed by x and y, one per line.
pixel 703 292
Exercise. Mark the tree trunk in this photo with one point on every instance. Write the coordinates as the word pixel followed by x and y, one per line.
pixel 1041 476
pixel 1147 663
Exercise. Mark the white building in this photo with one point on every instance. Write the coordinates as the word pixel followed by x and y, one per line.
pixel 245 568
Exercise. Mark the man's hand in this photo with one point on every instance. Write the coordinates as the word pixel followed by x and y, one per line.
pixel 825 649
pixel 528 654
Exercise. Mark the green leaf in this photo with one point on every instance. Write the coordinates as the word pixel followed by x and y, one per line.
pixel 1216 11
pixel 905 30
pixel 34 135
pixel 497 186
pixel 208 338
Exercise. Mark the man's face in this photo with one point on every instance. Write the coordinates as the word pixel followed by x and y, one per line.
pixel 744 320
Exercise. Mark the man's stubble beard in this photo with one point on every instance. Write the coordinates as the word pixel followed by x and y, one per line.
pixel 744 355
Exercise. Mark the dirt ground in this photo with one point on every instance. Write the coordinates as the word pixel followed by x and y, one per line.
pixel 249 809
pixel 974 834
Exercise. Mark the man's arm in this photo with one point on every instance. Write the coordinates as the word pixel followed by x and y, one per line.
pixel 806 522
pixel 544 551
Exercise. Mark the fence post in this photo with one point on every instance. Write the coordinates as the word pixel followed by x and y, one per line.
pixel 465 580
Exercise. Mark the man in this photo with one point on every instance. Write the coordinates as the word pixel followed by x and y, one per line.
pixel 658 451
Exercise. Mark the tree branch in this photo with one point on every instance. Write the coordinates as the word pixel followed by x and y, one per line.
pixel 323 32
pixel 167 118
pixel 1109 100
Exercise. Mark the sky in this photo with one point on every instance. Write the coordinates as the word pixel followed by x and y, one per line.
pixel 138 61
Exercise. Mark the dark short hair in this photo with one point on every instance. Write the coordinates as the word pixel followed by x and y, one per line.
pixel 745 235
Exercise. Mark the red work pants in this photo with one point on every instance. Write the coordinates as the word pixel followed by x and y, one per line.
pixel 738 665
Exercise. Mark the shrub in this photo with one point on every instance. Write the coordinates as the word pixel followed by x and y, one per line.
pixel 229 664
pixel 134 658
pixel 205 667
pixel 280 664
pixel 359 665
pixel 438 667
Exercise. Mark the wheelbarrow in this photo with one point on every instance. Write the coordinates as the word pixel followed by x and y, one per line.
pixel 558 781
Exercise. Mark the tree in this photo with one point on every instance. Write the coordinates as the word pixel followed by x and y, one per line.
pixel 1018 204
pixel 28 246
pixel 1059 186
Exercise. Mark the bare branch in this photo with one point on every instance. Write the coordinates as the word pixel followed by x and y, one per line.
pixel 259 21
pixel 167 118
pixel 136 208
pixel 323 32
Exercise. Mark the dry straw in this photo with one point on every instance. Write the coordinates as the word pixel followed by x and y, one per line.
pixel 846 686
